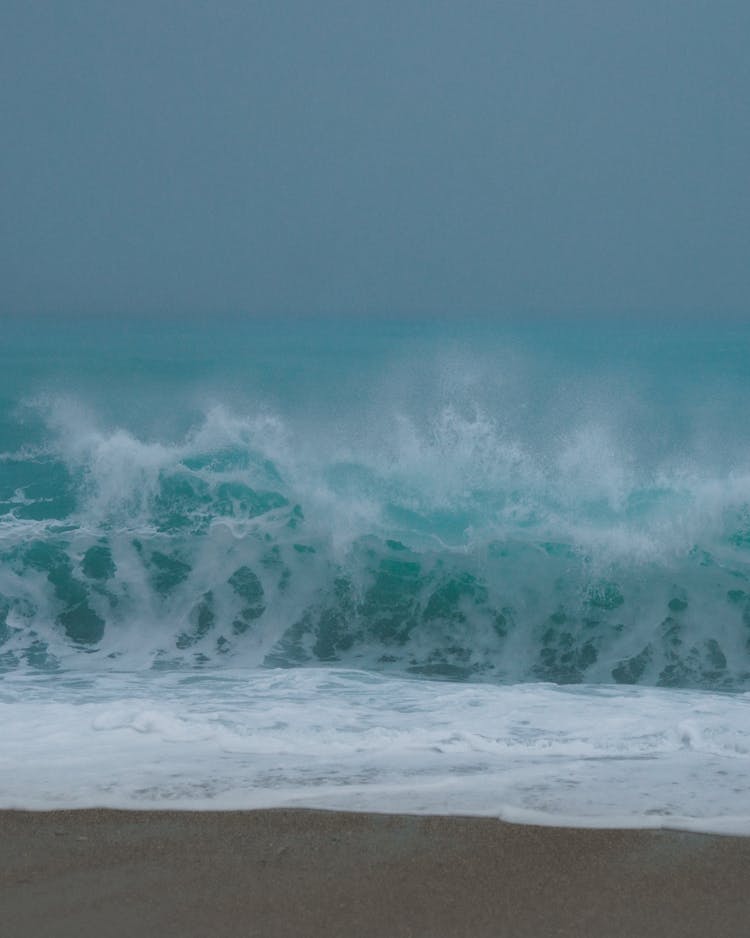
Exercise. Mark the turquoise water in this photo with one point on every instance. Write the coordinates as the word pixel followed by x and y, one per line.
pixel 565 503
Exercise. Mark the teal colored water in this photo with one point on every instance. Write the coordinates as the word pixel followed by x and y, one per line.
pixel 566 502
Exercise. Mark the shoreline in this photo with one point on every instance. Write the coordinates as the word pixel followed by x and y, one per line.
pixel 288 872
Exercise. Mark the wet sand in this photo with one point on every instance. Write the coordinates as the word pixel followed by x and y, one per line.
pixel 315 873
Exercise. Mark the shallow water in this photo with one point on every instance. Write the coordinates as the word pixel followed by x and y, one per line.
pixel 334 738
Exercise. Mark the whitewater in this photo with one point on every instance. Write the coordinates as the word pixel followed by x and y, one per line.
pixel 394 566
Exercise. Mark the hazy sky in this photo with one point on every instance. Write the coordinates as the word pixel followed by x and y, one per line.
pixel 310 156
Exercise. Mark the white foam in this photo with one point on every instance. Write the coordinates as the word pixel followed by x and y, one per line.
pixel 594 756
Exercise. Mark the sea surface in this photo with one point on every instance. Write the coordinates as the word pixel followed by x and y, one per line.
pixel 448 567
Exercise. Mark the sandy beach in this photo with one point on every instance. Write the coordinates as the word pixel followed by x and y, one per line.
pixel 315 873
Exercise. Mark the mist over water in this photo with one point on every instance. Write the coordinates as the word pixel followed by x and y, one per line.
pixel 504 504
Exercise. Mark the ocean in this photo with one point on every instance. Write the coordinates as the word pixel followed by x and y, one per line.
pixel 424 566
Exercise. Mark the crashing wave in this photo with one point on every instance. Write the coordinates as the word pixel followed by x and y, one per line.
pixel 449 549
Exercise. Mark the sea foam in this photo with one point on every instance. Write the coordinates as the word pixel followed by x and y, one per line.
pixel 353 740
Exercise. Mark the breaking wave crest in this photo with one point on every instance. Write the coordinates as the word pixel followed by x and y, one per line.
pixel 447 547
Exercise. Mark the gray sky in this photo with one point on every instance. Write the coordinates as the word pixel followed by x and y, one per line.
pixel 190 157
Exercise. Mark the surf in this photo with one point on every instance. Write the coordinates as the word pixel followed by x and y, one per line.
pixel 494 512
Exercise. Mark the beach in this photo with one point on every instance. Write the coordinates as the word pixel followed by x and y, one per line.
pixel 319 873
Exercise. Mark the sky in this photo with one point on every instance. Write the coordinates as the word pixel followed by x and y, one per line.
pixel 391 157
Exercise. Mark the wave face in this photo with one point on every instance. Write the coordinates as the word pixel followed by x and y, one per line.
pixel 529 505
